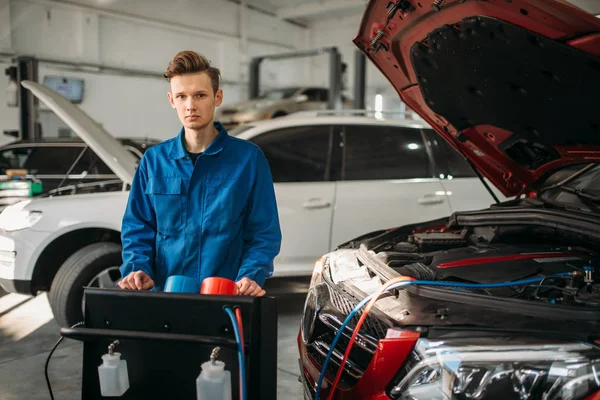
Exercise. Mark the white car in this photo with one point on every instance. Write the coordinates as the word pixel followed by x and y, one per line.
pixel 335 177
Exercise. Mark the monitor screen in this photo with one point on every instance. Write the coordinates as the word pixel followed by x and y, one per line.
pixel 70 88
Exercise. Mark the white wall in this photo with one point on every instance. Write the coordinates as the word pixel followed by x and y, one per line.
pixel 125 106
pixel 145 35
pixel 5 34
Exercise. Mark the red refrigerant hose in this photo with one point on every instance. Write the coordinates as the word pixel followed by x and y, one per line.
pixel 361 321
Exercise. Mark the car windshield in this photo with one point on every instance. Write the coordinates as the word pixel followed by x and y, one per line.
pixel 279 94
pixel 579 189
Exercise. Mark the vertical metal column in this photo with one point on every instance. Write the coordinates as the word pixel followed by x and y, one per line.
pixel 335 80
pixel 254 78
pixel 360 80
pixel 27 70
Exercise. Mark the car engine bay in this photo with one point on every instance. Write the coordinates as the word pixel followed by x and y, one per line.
pixel 460 256
pixel 469 250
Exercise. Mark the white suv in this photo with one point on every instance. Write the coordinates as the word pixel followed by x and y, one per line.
pixel 338 176
pixel 335 177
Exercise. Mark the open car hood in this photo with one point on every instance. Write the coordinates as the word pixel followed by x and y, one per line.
pixel 114 155
pixel 513 84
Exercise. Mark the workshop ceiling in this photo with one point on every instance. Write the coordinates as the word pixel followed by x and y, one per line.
pixel 321 9
pixel 306 10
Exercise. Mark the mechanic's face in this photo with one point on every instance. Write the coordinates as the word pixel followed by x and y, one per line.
pixel 193 97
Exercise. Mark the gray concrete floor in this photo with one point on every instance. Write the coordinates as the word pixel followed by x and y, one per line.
pixel 28 333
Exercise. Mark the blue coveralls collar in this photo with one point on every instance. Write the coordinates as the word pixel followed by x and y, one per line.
pixel 178 150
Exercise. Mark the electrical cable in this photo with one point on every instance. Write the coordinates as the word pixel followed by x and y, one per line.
pixel 359 324
pixel 394 286
pixel 238 315
pixel 242 366
pixel 50 355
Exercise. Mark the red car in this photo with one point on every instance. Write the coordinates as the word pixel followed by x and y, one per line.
pixel 500 303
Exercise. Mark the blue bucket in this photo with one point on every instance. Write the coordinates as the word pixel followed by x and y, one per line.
pixel 181 284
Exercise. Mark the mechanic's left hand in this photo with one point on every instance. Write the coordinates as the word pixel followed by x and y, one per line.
pixel 247 287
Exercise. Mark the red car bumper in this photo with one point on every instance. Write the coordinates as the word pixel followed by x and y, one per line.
pixel 388 358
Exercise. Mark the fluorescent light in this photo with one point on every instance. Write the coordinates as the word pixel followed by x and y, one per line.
pixel 378 106
pixel 413 146
pixel 378 102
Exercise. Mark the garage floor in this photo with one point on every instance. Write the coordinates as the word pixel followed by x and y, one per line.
pixel 28 333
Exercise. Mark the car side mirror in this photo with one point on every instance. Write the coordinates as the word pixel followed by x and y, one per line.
pixel 301 98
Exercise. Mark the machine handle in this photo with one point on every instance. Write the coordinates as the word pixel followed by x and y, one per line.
pixel 85 334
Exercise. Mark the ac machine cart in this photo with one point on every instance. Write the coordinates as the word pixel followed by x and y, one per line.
pixel 165 337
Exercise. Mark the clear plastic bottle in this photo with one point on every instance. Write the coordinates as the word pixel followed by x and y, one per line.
pixel 214 382
pixel 114 380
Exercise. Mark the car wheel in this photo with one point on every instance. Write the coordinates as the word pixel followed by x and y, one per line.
pixel 279 114
pixel 96 265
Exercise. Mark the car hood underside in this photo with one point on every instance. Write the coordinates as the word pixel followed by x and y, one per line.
pixel 510 83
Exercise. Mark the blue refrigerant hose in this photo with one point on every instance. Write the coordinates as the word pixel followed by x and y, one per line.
pixel 425 283
pixel 238 338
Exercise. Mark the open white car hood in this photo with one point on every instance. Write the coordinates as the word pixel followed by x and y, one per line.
pixel 116 157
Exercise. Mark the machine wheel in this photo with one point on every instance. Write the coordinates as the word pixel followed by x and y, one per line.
pixel 279 114
pixel 96 265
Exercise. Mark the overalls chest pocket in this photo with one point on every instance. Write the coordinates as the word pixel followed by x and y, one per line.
pixel 224 203
pixel 166 194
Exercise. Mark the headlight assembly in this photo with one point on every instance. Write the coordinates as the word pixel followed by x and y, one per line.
pixel 309 315
pixel 494 369
pixel 15 217
pixel 317 275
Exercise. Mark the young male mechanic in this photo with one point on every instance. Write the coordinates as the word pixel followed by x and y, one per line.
pixel 202 204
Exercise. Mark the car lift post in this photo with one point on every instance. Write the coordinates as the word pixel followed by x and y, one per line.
pixel 335 72
pixel 27 69
pixel 360 80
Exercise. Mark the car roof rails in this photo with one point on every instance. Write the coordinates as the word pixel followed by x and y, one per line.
pixel 385 114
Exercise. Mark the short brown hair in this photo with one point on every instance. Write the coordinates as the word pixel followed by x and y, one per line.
pixel 190 62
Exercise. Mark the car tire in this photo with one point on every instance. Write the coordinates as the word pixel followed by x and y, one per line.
pixel 78 271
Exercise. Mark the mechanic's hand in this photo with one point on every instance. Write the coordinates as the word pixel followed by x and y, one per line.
pixel 247 287
pixel 137 280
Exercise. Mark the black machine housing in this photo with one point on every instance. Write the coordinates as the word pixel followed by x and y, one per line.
pixel 165 337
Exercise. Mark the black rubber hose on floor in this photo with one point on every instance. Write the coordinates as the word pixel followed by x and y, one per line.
pixel 50 356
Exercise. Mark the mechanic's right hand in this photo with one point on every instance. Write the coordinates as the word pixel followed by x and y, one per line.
pixel 137 280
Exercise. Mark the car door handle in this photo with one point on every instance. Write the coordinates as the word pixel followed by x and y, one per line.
pixel 313 204
pixel 430 199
